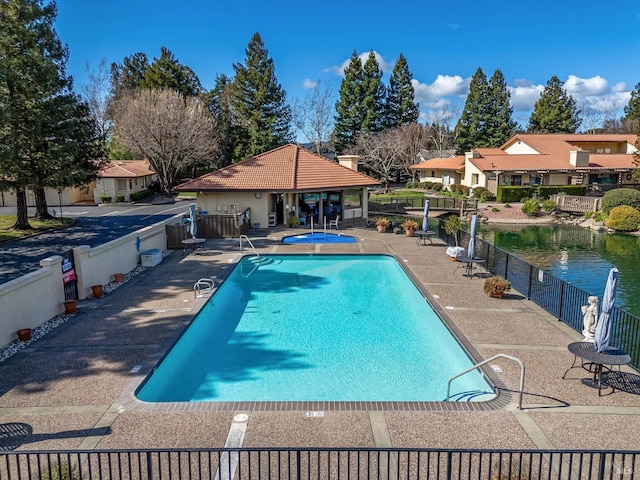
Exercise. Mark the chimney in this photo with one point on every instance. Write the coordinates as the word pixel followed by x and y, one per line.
pixel 349 161
pixel 579 158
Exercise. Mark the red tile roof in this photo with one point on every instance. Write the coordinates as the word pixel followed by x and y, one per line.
pixel 126 169
pixel 286 168
pixel 452 163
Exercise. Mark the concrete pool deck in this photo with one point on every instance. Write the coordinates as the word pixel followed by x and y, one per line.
pixel 65 390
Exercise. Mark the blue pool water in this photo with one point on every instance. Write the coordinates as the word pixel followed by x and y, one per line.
pixel 314 328
pixel 318 237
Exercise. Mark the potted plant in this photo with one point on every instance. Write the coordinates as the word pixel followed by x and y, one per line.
pixel 382 223
pixel 118 277
pixel 496 286
pixel 70 306
pixel 96 290
pixel 452 225
pixel 410 226
pixel 293 221
pixel 24 334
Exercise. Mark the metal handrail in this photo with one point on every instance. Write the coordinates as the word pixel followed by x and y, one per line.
pixel 478 365
pixel 249 242
pixel 207 283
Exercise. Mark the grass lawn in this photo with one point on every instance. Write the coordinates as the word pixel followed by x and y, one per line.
pixel 404 193
pixel 7 221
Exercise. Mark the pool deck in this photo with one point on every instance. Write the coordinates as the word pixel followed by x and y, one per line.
pixel 69 389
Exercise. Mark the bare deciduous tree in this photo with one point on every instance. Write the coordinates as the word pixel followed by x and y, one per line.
pixel 166 129
pixel 440 119
pixel 414 138
pixel 313 116
pixel 383 153
pixel 96 94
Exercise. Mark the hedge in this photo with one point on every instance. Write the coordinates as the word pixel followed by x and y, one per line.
pixel 545 191
pixel 508 194
pixel 623 218
pixel 140 195
pixel 105 199
pixel 621 196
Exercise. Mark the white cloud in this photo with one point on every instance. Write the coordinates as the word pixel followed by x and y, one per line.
pixel 577 86
pixel 308 84
pixel 444 85
pixel 524 95
pixel 385 66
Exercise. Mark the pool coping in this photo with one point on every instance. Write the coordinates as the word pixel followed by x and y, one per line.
pixel 503 396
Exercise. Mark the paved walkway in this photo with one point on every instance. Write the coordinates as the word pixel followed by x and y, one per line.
pixel 65 391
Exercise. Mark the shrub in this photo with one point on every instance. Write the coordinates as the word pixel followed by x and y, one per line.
pixel 460 189
pixel 530 207
pixel 119 198
pixel 495 209
pixel 452 225
pixel 513 194
pixel 140 195
pixel 382 221
pixel 545 191
pixel 483 194
pixel 293 221
pixel 507 205
pixel 621 196
pixel 623 218
pixel 549 206
pixel 410 225
pixel 105 198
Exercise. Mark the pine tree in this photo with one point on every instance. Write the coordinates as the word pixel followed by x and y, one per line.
pixel 401 107
pixel 471 127
pixel 632 110
pixel 219 100
pixel 500 126
pixel 263 117
pixel 128 75
pixel 38 128
pixel 555 111
pixel 167 72
pixel 349 119
pixel 373 91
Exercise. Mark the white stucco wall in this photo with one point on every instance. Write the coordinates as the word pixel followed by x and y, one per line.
pixel 520 148
pixel 218 202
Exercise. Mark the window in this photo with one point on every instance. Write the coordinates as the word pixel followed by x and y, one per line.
pixel 130 184
pixel 475 178
pixel 433 173
pixel 512 180
pixel 353 198
pixel 122 184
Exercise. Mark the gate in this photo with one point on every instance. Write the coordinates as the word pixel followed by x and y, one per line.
pixel 69 277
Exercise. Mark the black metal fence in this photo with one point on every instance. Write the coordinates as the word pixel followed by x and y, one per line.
pixel 398 204
pixel 320 463
pixel 556 296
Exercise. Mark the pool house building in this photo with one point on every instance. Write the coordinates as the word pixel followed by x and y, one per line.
pixel 266 189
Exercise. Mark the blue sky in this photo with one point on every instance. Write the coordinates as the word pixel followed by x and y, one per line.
pixel 592 46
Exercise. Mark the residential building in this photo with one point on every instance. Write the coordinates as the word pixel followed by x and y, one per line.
pixel 527 159
pixel 288 180
pixel 120 178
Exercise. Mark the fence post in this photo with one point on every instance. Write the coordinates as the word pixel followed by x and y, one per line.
pixel 530 282
pixel 561 306
pixel 506 267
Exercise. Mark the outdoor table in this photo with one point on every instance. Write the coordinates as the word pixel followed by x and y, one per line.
pixel 192 244
pixel 595 362
pixel 424 235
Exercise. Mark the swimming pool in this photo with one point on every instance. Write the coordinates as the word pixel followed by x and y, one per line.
pixel 318 237
pixel 314 328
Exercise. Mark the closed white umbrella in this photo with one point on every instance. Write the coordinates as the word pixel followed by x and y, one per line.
pixel 425 220
pixel 603 327
pixel 193 228
pixel 471 249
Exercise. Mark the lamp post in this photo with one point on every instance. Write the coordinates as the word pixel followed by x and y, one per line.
pixel 60 202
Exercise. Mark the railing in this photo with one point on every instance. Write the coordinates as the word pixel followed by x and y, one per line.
pixel 399 204
pixel 484 362
pixel 320 463
pixel 249 242
pixel 556 296
pixel 577 204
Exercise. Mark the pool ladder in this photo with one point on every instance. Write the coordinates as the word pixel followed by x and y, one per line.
pixel 249 242
pixel 203 287
pixel 478 365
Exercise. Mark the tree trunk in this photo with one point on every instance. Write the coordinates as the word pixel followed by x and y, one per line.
pixel 42 212
pixel 22 217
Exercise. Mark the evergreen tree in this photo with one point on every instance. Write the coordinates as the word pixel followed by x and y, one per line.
pixel 167 72
pixel 259 104
pixel 500 126
pixel 471 128
pixel 349 119
pixel 128 75
pixel 555 111
pixel 39 129
pixel 632 110
pixel 373 91
pixel 219 101
pixel 401 107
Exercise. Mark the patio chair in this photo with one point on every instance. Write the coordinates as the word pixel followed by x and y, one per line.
pixel 334 222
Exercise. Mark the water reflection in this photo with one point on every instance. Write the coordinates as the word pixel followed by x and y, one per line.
pixel 580 256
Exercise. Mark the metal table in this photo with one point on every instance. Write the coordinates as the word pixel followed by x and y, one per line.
pixel 468 264
pixel 594 362
pixel 192 244
pixel 424 235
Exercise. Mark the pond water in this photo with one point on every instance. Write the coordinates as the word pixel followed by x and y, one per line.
pixel 580 256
